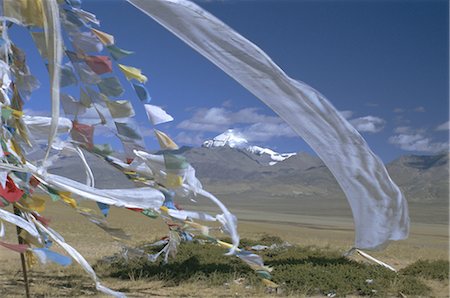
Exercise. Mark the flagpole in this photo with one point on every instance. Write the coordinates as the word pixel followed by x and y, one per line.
pixel 22 257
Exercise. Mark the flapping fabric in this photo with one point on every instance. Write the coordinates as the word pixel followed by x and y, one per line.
pixel 157 115
pixel 39 40
pixel 132 73
pixel 105 38
pixel 167 175
pixel 80 260
pixel 99 64
pixel 19 221
pixel 141 92
pixel 379 209
pixel 24 11
pixel 55 51
pixel 120 108
pixel 40 125
pixel 144 197
pixel 86 42
pixel 165 142
pixel 118 53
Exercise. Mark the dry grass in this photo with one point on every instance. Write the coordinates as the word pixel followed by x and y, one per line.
pixel 426 241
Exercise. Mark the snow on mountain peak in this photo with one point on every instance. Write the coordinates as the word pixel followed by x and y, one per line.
pixel 230 138
pixel 234 139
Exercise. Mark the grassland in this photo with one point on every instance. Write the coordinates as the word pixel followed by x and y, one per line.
pixel 324 234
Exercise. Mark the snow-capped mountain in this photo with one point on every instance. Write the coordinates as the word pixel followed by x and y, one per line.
pixel 233 139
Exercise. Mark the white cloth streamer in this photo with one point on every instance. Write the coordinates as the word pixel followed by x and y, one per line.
pixel 379 209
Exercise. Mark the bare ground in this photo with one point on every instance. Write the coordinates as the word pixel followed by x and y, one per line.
pixel 428 240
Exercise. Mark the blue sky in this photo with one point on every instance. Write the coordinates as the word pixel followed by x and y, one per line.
pixel 383 63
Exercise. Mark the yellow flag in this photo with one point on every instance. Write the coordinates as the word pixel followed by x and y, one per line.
pixel 36 203
pixel 132 73
pixel 30 258
pixel 65 196
pixel 29 12
pixel 174 181
pixel 30 239
pixel 165 142
pixel 105 38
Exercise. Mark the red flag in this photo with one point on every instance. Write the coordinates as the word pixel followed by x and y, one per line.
pixel 83 134
pixel 99 64
pixel 44 220
pixel 11 192
pixel 136 209
pixel 34 181
pixel 20 248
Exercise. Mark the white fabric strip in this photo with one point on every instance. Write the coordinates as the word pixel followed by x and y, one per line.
pixel 52 29
pixel 20 222
pixel 80 260
pixel 227 219
pixel 157 115
pixel 379 209
pixel 90 180
pixel 143 197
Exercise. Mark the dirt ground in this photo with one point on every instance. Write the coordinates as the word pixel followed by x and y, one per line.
pixel 426 241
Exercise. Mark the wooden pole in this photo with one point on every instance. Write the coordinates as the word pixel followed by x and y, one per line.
pixel 22 257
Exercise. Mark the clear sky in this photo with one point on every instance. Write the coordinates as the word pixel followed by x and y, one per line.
pixel 383 63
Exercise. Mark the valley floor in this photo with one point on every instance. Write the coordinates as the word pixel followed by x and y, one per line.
pixel 428 240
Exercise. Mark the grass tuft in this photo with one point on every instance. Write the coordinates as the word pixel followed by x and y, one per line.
pixel 437 270
pixel 298 270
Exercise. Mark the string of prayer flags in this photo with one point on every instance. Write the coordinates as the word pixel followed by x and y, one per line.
pixel 131 72
pixel 35 203
pixel 39 41
pixel 26 84
pixel 65 196
pixel 86 16
pixel 165 142
pixel 86 68
pixel 30 239
pixel 86 74
pixel 72 106
pixel 118 53
pixel 85 99
pixel 67 76
pixel 74 3
pixel 157 115
pixel 99 64
pixel 105 38
pixel 175 161
pixel 110 87
pixel 83 134
pixel 86 42
pixel 26 11
pixel 11 192
pixel 104 208
pixel 128 130
pixel 141 92
pixel 72 21
pixel 120 108
pixel 20 248
pixel 46 255
pixel 173 180
pixel 74 56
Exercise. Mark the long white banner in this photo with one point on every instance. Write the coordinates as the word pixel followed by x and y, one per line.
pixel 379 209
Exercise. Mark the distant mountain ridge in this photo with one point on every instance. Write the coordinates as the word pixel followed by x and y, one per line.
pixel 240 173
pixel 421 178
